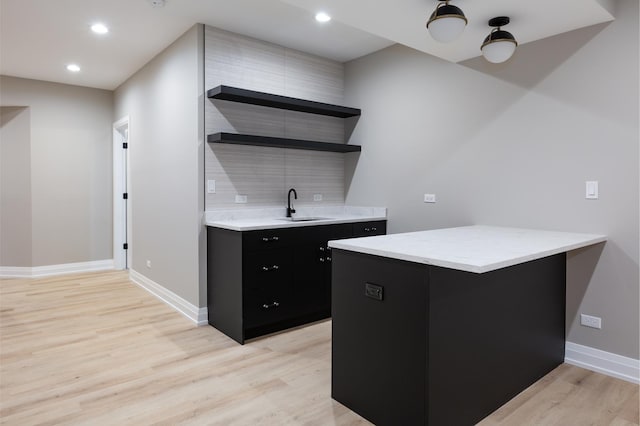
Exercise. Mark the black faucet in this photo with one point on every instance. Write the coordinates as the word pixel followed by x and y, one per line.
pixel 291 210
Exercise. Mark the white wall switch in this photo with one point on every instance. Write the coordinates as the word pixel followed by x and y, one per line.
pixel 429 198
pixel 592 190
pixel 317 197
pixel 241 199
pixel 589 321
pixel 211 186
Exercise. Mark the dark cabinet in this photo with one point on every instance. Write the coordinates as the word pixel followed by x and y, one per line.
pixel 267 292
pixel 416 344
pixel 269 280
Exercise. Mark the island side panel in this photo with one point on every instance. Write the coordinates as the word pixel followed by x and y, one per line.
pixel 224 282
pixel 379 347
pixel 492 335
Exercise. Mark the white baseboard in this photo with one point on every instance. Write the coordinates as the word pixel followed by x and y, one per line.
pixel 603 362
pixel 195 314
pixel 50 270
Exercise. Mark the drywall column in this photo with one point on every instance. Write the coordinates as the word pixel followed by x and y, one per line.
pixel 164 103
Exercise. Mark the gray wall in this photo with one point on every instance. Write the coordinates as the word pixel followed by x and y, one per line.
pixel 67 196
pixel 265 174
pixel 15 186
pixel 164 103
pixel 513 145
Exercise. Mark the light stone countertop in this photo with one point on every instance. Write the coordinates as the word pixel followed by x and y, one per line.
pixel 271 218
pixel 470 248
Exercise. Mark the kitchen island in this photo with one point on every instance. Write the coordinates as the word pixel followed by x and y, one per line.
pixel 442 327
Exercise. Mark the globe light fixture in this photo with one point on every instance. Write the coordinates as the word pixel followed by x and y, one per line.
pixel 447 22
pixel 499 45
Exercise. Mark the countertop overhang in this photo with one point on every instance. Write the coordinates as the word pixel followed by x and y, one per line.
pixel 475 248
pixel 272 218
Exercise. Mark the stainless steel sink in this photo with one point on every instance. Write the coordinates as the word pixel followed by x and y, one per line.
pixel 303 219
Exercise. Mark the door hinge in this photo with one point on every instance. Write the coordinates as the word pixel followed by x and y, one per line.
pixel 125 246
pixel 125 145
pixel 125 196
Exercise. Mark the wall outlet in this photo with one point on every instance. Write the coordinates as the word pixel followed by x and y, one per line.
pixel 148 264
pixel 429 198
pixel 589 321
pixel 241 199
pixel 317 197
pixel 211 186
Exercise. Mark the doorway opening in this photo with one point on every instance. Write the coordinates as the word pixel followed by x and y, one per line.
pixel 121 208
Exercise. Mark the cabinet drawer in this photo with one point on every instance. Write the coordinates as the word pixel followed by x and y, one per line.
pixel 268 304
pixel 365 229
pixel 268 239
pixel 266 268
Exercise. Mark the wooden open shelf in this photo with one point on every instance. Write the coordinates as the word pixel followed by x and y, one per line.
pixel 245 96
pixel 243 139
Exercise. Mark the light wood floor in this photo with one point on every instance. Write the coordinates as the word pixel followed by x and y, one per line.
pixel 95 349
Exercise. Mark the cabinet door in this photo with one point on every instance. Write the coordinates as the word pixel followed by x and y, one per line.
pixel 338 233
pixel 308 278
pixel 312 266
pixel 267 295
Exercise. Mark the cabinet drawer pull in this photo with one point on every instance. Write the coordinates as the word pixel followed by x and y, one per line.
pixel 270 239
pixel 270 268
pixel 372 229
pixel 321 259
pixel 321 248
pixel 328 258
pixel 270 305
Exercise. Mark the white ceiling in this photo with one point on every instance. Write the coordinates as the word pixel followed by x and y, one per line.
pixel 39 37
pixel 403 21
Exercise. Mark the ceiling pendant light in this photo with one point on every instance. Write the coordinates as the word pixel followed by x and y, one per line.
pixel 499 45
pixel 447 22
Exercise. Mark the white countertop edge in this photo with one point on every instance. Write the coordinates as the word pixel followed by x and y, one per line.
pixel 286 224
pixel 477 267
pixel 273 218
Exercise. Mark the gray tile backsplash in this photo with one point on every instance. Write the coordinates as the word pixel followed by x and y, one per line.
pixel 265 174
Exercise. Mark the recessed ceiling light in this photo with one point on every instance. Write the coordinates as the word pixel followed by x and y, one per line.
pixel 99 28
pixel 322 17
pixel 73 68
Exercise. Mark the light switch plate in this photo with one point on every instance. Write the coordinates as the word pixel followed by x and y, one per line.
pixel 591 190
pixel 317 197
pixel 211 186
